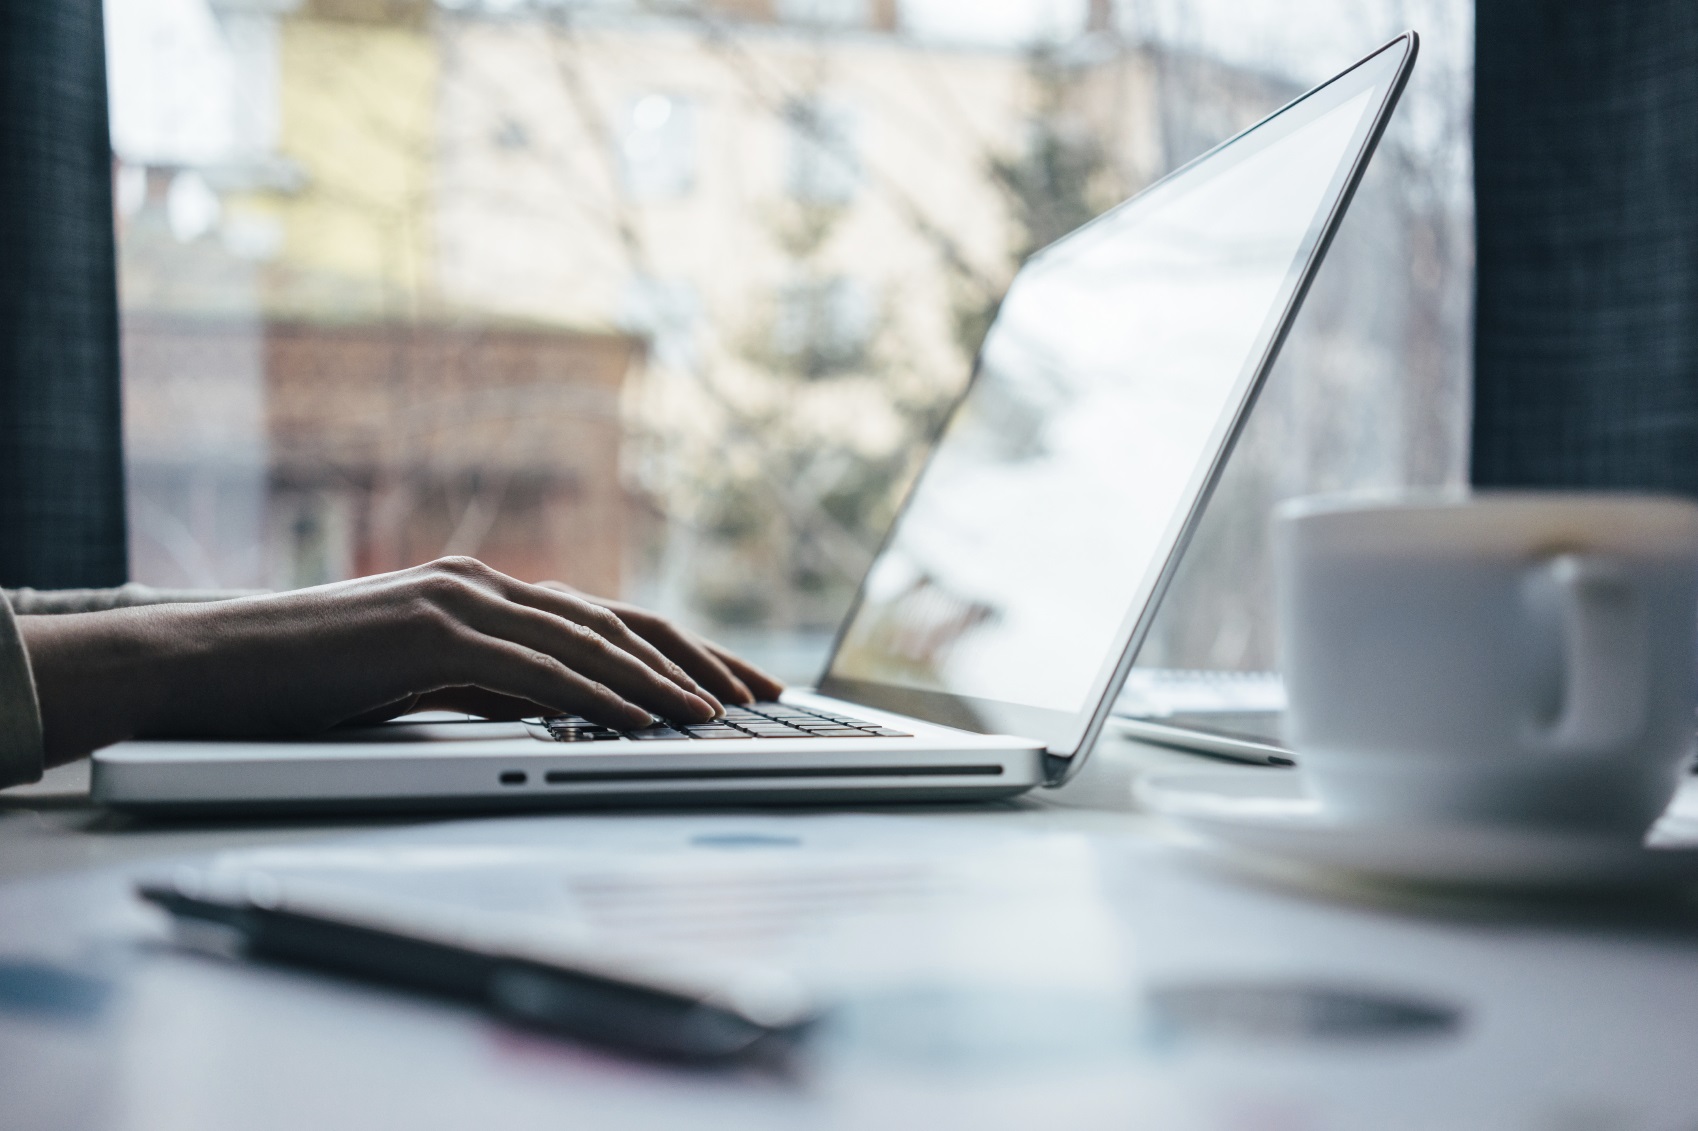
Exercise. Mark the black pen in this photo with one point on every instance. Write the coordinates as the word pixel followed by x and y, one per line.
pixel 617 1010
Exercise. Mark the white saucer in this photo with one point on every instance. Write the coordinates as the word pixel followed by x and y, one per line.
pixel 1267 815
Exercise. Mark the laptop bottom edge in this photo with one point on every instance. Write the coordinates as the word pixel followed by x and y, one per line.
pixel 663 794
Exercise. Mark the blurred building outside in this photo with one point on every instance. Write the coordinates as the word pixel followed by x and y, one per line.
pixel 664 300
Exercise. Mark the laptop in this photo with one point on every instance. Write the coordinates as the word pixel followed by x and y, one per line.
pixel 1232 714
pixel 996 625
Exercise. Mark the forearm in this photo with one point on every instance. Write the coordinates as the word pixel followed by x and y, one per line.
pixel 100 677
pixel 304 661
pixel 66 686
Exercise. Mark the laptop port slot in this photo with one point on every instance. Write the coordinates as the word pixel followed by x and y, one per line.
pixel 514 777
pixel 590 777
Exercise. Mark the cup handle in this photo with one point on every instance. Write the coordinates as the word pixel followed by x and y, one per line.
pixel 1605 656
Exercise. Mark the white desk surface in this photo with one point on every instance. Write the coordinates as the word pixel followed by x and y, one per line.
pixel 1563 1017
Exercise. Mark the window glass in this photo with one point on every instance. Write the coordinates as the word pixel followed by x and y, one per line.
pixel 665 300
pixel 823 166
pixel 823 326
pixel 657 146
pixel 831 13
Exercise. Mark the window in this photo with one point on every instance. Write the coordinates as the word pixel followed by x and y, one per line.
pixel 657 147
pixel 664 312
pixel 824 168
pixel 662 299
pixel 825 13
pixel 823 326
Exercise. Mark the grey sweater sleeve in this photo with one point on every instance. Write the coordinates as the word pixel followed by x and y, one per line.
pixel 20 717
pixel 20 720
pixel 37 602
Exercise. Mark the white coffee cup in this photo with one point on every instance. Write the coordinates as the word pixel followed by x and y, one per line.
pixel 1511 658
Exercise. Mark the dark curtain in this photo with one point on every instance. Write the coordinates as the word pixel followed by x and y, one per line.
pixel 61 461
pixel 1586 175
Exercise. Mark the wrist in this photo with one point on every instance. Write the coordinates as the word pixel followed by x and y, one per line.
pixel 99 677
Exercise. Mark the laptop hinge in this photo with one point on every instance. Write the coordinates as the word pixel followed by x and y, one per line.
pixel 1056 767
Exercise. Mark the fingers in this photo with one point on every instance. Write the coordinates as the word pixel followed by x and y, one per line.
pixel 588 653
pixel 690 653
pixel 700 667
pixel 514 671
pixel 765 686
pixel 619 632
pixel 584 636
pixel 716 669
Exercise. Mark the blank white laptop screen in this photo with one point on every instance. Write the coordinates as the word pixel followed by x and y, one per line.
pixel 1119 360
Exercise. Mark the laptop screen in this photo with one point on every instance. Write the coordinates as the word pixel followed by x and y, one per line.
pixel 1020 571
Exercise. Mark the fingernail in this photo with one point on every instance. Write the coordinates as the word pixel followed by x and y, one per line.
pixel 707 697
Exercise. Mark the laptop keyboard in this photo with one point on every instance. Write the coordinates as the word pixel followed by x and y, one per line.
pixel 761 720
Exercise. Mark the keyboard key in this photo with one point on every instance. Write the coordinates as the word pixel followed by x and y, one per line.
pixel 655 733
pixel 762 720
pixel 580 726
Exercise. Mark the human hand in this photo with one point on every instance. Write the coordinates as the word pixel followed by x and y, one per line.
pixel 363 650
pixel 723 674
pixel 728 676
